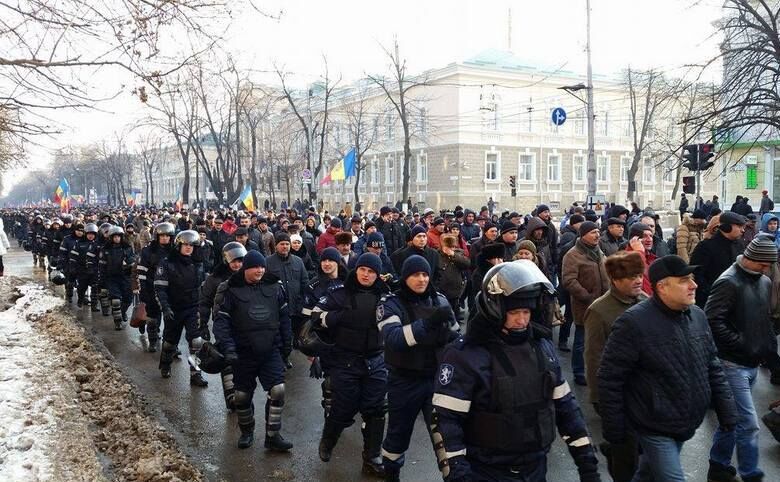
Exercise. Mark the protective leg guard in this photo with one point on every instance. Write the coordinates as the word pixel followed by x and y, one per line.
pixel 153 332
pixel 166 358
pixel 273 420
pixel 228 389
pixel 330 436
pixel 373 432
pixel 327 396
pixel 69 292
pixel 116 312
pixel 246 419
pixel 94 299
pixel 105 305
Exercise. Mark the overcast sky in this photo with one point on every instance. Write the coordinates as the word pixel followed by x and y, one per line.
pixel 664 34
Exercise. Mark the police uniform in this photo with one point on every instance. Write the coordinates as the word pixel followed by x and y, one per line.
pixel 500 396
pixel 356 363
pixel 85 268
pixel 251 327
pixel 115 266
pixel 147 266
pixel 177 289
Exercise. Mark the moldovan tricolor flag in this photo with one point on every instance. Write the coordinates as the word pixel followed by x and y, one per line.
pixel 246 198
pixel 62 191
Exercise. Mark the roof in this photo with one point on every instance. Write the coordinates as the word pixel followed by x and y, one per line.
pixel 507 61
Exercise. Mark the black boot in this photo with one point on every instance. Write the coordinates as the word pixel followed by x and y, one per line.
pixel 197 380
pixel 392 475
pixel 373 433
pixel 277 443
pixel 330 435
pixel 247 436
pixel 721 473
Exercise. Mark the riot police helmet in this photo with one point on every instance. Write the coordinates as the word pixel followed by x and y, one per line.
pixel 104 228
pixel 520 280
pixel 165 229
pixel 189 237
pixel 91 228
pixel 56 221
pixel 115 230
pixel 78 227
pixel 312 342
pixel 233 251
pixel 67 218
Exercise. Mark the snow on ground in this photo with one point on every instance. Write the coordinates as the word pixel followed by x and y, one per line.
pixel 27 421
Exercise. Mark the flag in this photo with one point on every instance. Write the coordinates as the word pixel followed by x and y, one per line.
pixel 349 163
pixel 62 191
pixel 179 200
pixel 246 198
pixel 64 205
pixel 325 180
pixel 131 199
pixel 337 173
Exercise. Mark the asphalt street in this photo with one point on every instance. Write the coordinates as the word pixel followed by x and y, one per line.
pixel 208 433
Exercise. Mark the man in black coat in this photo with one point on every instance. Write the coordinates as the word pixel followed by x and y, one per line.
pixel 660 372
pixel 391 230
pixel 419 246
pixel 716 254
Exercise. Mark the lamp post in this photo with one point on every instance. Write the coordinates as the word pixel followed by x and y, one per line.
pixel 588 101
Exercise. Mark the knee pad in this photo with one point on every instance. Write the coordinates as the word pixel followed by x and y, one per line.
pixel 242 399
pixel 116 304
pixel 276 393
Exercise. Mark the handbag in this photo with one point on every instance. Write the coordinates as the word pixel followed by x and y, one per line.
pixel 139 313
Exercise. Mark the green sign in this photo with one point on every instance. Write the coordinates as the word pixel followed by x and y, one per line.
pixel 751 177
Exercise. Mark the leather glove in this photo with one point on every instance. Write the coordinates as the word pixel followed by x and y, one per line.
pixel 315 371
pixel 231 358
pixel 438 319
pixel 168 315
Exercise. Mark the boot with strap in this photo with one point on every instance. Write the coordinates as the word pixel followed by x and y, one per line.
pixel 330 436
pixel 373 433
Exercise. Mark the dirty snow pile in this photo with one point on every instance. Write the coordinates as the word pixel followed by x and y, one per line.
pixel 66 410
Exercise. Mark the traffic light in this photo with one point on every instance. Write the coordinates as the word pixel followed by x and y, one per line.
pixel 705 154
pixel 689 184
pixel 691 157
pixel 512 182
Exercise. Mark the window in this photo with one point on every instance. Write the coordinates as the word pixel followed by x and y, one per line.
pixel 374 167
pixel 648 171
pixel 554 168
pixel 578 168
pixel 491 166
pixel 628 130
pixel 423 122
pixel 389 174
pixel 422 167
pixel 525 165
pixel 389 121
pixel 625 165
pixel 579 124
pixel 602 169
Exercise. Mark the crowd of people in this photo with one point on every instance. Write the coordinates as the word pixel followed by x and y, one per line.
pixel 460 316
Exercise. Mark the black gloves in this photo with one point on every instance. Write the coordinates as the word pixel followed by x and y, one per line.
pixel 231 358
pixel 168 315
pixel 315 371
pixel 438 319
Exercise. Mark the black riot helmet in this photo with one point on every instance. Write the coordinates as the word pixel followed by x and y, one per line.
pixel 521 281
pixel 232 251
pixel 189 237
pixel 164 229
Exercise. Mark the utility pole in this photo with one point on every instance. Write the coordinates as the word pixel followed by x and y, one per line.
pixel 309 140
pixel 591 116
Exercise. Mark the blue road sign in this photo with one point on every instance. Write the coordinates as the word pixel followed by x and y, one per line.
pixel 558 116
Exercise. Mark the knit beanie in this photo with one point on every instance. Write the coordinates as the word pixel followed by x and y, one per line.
pixel 541 208
pixel 761 249
pixel 331 254
pixel 296 237
pixel 370 260
pixel 576 218
pixel 508 227
pixel 527 245
pixel 419 229
pixel 638 229
pixel 587 227
pixel 415 264
pixel 253 259
pixel 335 223
pixel 375 240
pixel 281 236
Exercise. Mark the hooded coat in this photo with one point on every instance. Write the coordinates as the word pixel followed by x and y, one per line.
pixel 765 230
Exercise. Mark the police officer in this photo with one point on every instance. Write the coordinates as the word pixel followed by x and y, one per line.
pixel 115 266
pixel 416 324
pixel 500 393
pixel 251 326
pixel 53 239
pixel 233 254
pixel 331 275
pixel 356 363
pixel 177 283
pixel 67 262
pixel 151 256
pixel 84 264
pixel 34 235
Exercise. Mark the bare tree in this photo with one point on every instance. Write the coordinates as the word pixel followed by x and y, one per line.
pixel 396 88
pixel 362 132
pixel 256 112
pixel 51 48
pixel 149 153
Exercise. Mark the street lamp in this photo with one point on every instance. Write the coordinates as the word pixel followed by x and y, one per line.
pixel 588 101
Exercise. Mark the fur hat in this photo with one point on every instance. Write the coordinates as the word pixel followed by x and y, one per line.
pixel 449 241
pixel 490 251
pixel 527 245
pixel 624 264
pixel 343 238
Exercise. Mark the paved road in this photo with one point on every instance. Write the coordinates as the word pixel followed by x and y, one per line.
pixel 208 433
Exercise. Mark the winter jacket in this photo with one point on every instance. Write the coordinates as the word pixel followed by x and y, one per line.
pixel 584 279
pixel 544 248
pixel 430 255
pixel 292 273
pixel 4 244
pixel 767 205
pixel 451 279
pixel 765 230
pixel 689 235
pixel 739 311
pixel 610 245
pixel 648 259
pixel 326 240
pixel 599 318
pixel 303 253
pixel 434 238
pixel 659 373
pixel 208 290
pixel 469 230
pixel 393 233
pixel 713 256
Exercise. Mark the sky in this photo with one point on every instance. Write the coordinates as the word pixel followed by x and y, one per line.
pixel 661 34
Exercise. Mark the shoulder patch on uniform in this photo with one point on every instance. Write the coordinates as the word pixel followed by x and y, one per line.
pixel 380 312
pixel 446 372
pixel 323 300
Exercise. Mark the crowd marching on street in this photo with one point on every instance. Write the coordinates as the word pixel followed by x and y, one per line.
pixel 456 315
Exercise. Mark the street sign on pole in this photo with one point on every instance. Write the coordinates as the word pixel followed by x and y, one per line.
pixel 306 174
pixel 558 116
pixel 596 202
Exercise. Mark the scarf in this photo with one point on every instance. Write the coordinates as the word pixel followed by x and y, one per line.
pixel 592 252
